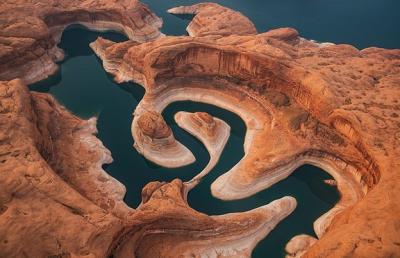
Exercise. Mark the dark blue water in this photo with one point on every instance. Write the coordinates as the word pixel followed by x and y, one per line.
pixel 362 23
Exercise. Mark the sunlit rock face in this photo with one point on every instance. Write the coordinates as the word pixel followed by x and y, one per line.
pixel 55 199
pixel 154 139
pixel 31 30
pixel 332 106
pixel 211 131
pixel 214 19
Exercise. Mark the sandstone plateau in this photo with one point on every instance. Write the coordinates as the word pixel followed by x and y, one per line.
pixel 303 102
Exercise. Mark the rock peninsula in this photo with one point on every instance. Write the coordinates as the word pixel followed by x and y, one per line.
pixel 211 131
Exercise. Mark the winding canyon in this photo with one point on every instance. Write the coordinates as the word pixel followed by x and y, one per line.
pixel 303 102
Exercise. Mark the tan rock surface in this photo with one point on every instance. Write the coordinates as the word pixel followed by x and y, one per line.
pixel 155 141
pixel 298 245
pixel 329 105
pixel 211 131
pixel 31 30
pixel 214 19
pixel 43 209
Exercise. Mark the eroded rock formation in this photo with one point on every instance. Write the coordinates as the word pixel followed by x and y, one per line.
pixel 214 19
pixel 211 131
pixel 56 200
pixel 155 141
pixel 31 30
pixel 332 106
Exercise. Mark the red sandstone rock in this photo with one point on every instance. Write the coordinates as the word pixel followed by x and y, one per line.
pixel 31 30
pixel 214 19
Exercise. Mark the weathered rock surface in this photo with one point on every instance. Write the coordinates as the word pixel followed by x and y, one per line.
pixel 155 141
pixel 214 19
pixel 211 131
pixel 31 30
pixel 55 201
pixel 298 245
pixel 332 106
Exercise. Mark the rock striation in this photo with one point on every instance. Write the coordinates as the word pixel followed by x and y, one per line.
pixel 31 30
pixel 213 19
pixel 328 105
pixel 55 201
pixel 212 132
pixel 155 141
pixel 55 198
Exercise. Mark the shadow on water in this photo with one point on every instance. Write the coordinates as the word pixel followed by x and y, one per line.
pixel 84 88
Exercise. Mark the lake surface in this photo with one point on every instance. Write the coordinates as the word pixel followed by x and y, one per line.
pixel 361 23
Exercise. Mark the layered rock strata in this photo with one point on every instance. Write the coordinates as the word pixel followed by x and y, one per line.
pixel 211 131
pixel 329 105
pixel 55 201
pixel 213 19
pixel 31 30
pixel 155 141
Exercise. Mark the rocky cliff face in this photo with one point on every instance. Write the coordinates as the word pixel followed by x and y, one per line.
pixel 55 199
pixel 44 166
pixel 213 19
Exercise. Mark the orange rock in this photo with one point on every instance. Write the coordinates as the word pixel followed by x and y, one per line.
pixel 214 19
pixel 31 30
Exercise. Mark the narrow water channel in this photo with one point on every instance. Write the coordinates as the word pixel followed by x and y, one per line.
pixel 84 88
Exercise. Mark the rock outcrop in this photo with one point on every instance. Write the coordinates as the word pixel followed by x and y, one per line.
pixel 31 30
pixel 211 131
pixel 55 200
pixel 155 141
pixel 332 106
pixel 213 19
